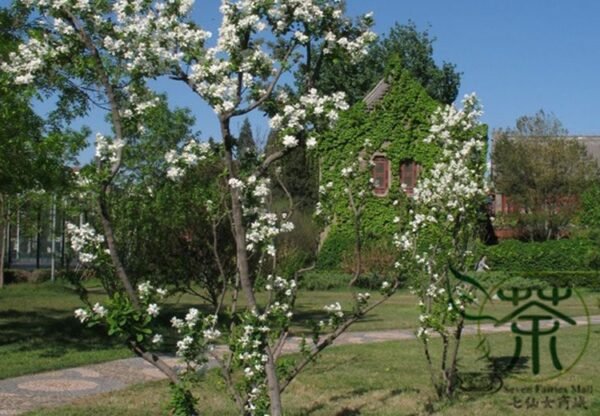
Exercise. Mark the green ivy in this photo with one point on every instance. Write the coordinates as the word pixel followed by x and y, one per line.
pixel 396 127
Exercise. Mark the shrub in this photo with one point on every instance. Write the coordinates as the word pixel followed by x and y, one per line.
pixel 540 280
pixel 328 280
pixel 378 258
pixel 17 276
pixel 552 255
pixel 325 280
pixel 40 275
pixel 581 279
pixel 590 207
pixel 334 249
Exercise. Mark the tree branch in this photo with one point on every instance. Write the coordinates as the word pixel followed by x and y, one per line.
pixel 329 339
pixel 270 89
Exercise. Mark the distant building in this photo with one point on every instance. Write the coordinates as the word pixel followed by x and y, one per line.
pixel 505 205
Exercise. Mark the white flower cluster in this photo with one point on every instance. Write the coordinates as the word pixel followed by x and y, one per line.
pixel 198 335
pixel 85 242
pixel 107 149
pixel 456 183
pixel 347 171
pixel 279 284
pixel 295 116
pixel 29 59
pixel 146 36
pixel 82 315
pixel 335 313
pixel 146 290
pixel 445 119
pixel 265 228
pixel 152 37
pixel 98 311
pixel 363 298
pixel 138 101
pixel 191 154
pixel 446 198
pixel 334 309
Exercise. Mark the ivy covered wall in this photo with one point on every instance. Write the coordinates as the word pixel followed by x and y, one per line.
pixel 394 127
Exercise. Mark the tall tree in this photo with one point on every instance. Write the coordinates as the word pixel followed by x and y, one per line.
pixel 245 144
pixel 109 50
pixel 543 172
pixel 415 49
pixel 32 156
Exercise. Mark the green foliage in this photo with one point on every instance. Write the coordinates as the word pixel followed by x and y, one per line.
pixel 123 320
pixel 543 173
pixel 413 47
pixel 165 228
pixel 396 128
pixel 540 279
pixel 299 174
pixel 378 258
pixel 246 147
pixel 336 246
pixel 182 401
pixel 17 276
pixel 325 280
pixel 577 279
pixel 590 207
pixel 328 280
pixel 553 255
pixel 506 280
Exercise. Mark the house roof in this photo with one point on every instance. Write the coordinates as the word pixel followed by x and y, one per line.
pixel 376 93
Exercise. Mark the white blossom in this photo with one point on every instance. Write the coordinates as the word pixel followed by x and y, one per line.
pixel 153 309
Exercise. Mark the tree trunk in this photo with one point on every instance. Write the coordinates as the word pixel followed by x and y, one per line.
pixel 112 248
pixel 357 240
pixel 242 263
pixel 38 246
pixel 357 253
pixel 2 238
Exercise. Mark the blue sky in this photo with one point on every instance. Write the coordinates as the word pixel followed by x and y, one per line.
pixel 518 56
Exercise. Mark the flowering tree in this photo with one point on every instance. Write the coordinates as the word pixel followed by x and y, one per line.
pixel 357 185
pixel 443 227
pixel 106 51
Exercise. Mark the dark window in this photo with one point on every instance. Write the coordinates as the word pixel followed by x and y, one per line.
pixel 381 175
pixel 409 174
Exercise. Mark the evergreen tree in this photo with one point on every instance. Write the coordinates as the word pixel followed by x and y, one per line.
pixel 246 145
pixel 415 49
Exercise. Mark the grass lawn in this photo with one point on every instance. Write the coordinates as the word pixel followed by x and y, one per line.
pixel 38 331
pixel 379 379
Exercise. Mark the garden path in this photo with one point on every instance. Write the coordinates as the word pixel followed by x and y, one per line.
pixel 22 394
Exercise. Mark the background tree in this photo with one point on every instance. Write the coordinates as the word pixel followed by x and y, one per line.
pixel 246 145
pixel 33 155
pixel 165 229
pixel 415 49
pixel 403 43
pixel 543 173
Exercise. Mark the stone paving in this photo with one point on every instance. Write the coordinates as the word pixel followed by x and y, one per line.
pixel 22 394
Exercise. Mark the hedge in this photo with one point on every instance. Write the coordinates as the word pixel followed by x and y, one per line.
pixel 540 280
pixel 553 255
pixel 580 279
pixel 327 280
